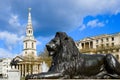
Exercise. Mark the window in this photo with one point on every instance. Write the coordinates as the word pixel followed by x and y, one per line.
pixel 102 45
pixel 32 45
pixel 112 38
pixel 101 40
pixel 107 39
pixel 112 44
pixel 29 31
pixel 25 52
pixel 32 52
pixel 96 41
pixel 107 45
pixel 82 45
pixel 26 45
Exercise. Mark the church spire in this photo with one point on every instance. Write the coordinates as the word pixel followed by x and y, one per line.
pixel 29 30
pixel 29 43
pixel 29 19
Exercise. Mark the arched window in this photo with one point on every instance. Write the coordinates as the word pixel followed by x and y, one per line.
pixel 32 45
pixel 32 52
pixel 25 52
pixel 29 31
pixel 112 38
pixel 26 45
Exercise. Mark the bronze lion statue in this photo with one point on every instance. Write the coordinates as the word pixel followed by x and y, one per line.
pixel 69 63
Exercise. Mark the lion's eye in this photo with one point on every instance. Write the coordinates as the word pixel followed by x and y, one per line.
pixel 54 40
pixel 66 38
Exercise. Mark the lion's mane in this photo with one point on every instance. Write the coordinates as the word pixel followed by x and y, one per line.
pixel 65 58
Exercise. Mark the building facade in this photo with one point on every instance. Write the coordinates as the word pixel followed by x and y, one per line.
pixel 107 43
pixel 4 66
pixel 29 65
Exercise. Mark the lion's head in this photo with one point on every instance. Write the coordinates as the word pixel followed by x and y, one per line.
pixel 62 46
pixel 53 46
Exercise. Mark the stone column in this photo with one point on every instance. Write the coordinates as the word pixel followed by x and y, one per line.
pixel 33 68
pixel 103 52
pixel 36 68
pixel 40 67
pixel 114 50
pixel 25 69
pixel 29 69
pixel 84 45
pixel 109 51
pixel 22 70
pixel 17 67
pixel 27 65
pixel 98 52
pixel 89 45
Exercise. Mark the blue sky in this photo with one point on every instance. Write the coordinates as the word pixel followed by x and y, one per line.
pixel 78 18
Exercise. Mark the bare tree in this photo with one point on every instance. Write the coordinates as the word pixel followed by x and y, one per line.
pixel 44 53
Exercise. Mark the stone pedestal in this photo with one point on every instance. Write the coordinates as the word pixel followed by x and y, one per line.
pixel 13 74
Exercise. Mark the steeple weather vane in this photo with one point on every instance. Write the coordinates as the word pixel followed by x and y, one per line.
pixel 29 9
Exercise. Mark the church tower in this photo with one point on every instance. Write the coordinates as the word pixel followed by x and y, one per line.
pixel 29 43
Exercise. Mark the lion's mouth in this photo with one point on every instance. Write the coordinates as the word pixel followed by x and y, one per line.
pixel 50 50
pixel 51 53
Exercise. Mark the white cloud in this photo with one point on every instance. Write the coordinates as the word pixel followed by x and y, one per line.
pixel 15 24
pixel 82 27
pixel 51 16
pixel 95 7
pixel 38 43
pixel 95 23
pixel 57 15
pixel 5 53
pixel 14 21
pixel 10 39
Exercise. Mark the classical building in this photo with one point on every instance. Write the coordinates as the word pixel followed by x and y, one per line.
pixel 29 62
pixel 107 43
pixel 4 66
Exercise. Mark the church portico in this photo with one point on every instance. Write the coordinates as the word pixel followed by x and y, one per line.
pixel 29 67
